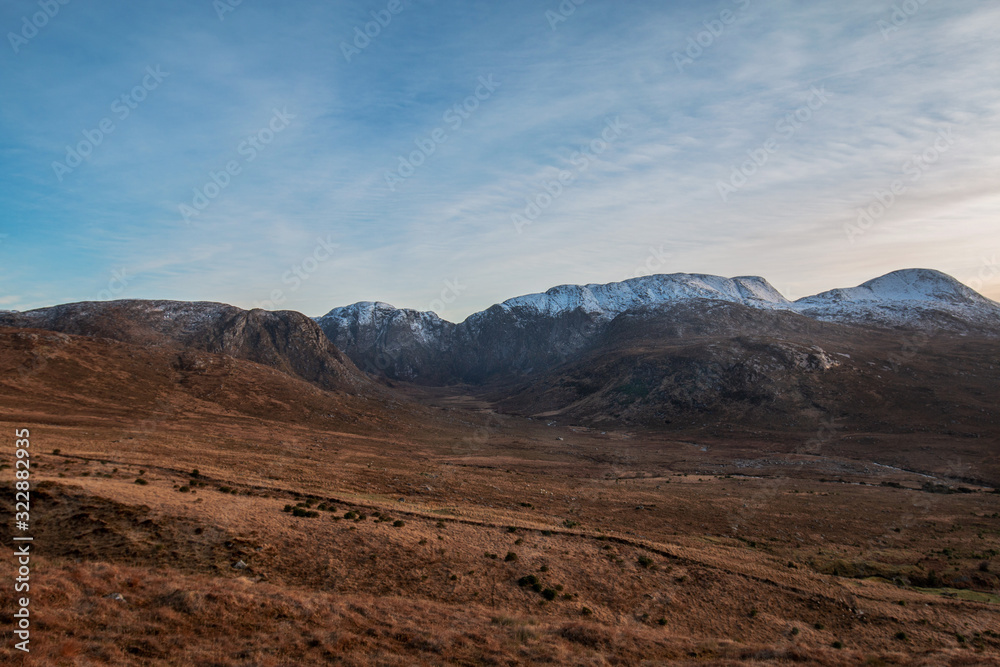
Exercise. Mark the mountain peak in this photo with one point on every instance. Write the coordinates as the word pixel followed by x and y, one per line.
pixel 375 310
pixel 918 285
pixel 904 297
pixel 756 287
pixel 906 285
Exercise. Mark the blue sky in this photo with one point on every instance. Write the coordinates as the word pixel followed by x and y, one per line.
pixel 741 137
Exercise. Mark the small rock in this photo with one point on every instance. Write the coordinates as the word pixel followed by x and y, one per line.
pixel 118 597
pixel 239 565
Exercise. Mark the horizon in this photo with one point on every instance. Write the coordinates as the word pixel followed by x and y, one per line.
pixel 302 158
pixel 554 287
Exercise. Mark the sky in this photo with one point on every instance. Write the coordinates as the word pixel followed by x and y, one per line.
pixel 444 155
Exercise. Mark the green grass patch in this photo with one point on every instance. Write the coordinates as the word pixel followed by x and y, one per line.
pixel 971 596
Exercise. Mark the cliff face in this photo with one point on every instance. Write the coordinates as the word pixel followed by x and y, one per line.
pixel 398 343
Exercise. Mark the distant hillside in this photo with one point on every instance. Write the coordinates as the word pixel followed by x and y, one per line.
pixel 287 341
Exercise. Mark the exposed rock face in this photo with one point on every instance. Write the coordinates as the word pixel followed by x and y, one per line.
pixel 518 340
pixel 421 347
pixel 287 341
pixel 398 343
pixel 662 366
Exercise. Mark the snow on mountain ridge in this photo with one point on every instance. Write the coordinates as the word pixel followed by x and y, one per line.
pixel 905 285
pixel 902 297
pixel 605 300
pixel 350 324
pixel 610 300
pixel 367 311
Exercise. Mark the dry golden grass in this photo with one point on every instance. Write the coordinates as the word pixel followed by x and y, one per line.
pixel 652 554
pixel 172 619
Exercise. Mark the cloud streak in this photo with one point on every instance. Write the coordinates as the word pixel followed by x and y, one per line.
pixel 656 185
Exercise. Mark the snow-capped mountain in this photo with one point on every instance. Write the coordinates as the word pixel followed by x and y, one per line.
pixel 357 323
pixel 919 298
pixel 521 334
pixel 609 301
pixel 524 335
pixel 536 331
pixel 397 342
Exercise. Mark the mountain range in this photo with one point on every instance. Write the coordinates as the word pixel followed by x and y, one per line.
pixel 912 350
pixel 534 332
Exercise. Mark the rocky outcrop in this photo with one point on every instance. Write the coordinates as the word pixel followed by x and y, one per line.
pixel 398 343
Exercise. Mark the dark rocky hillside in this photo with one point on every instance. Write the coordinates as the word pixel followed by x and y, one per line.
pixel 287 341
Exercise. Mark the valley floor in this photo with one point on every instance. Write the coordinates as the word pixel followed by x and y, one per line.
pixel 493 539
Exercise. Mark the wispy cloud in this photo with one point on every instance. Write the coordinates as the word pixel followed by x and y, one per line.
pixel 655 185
